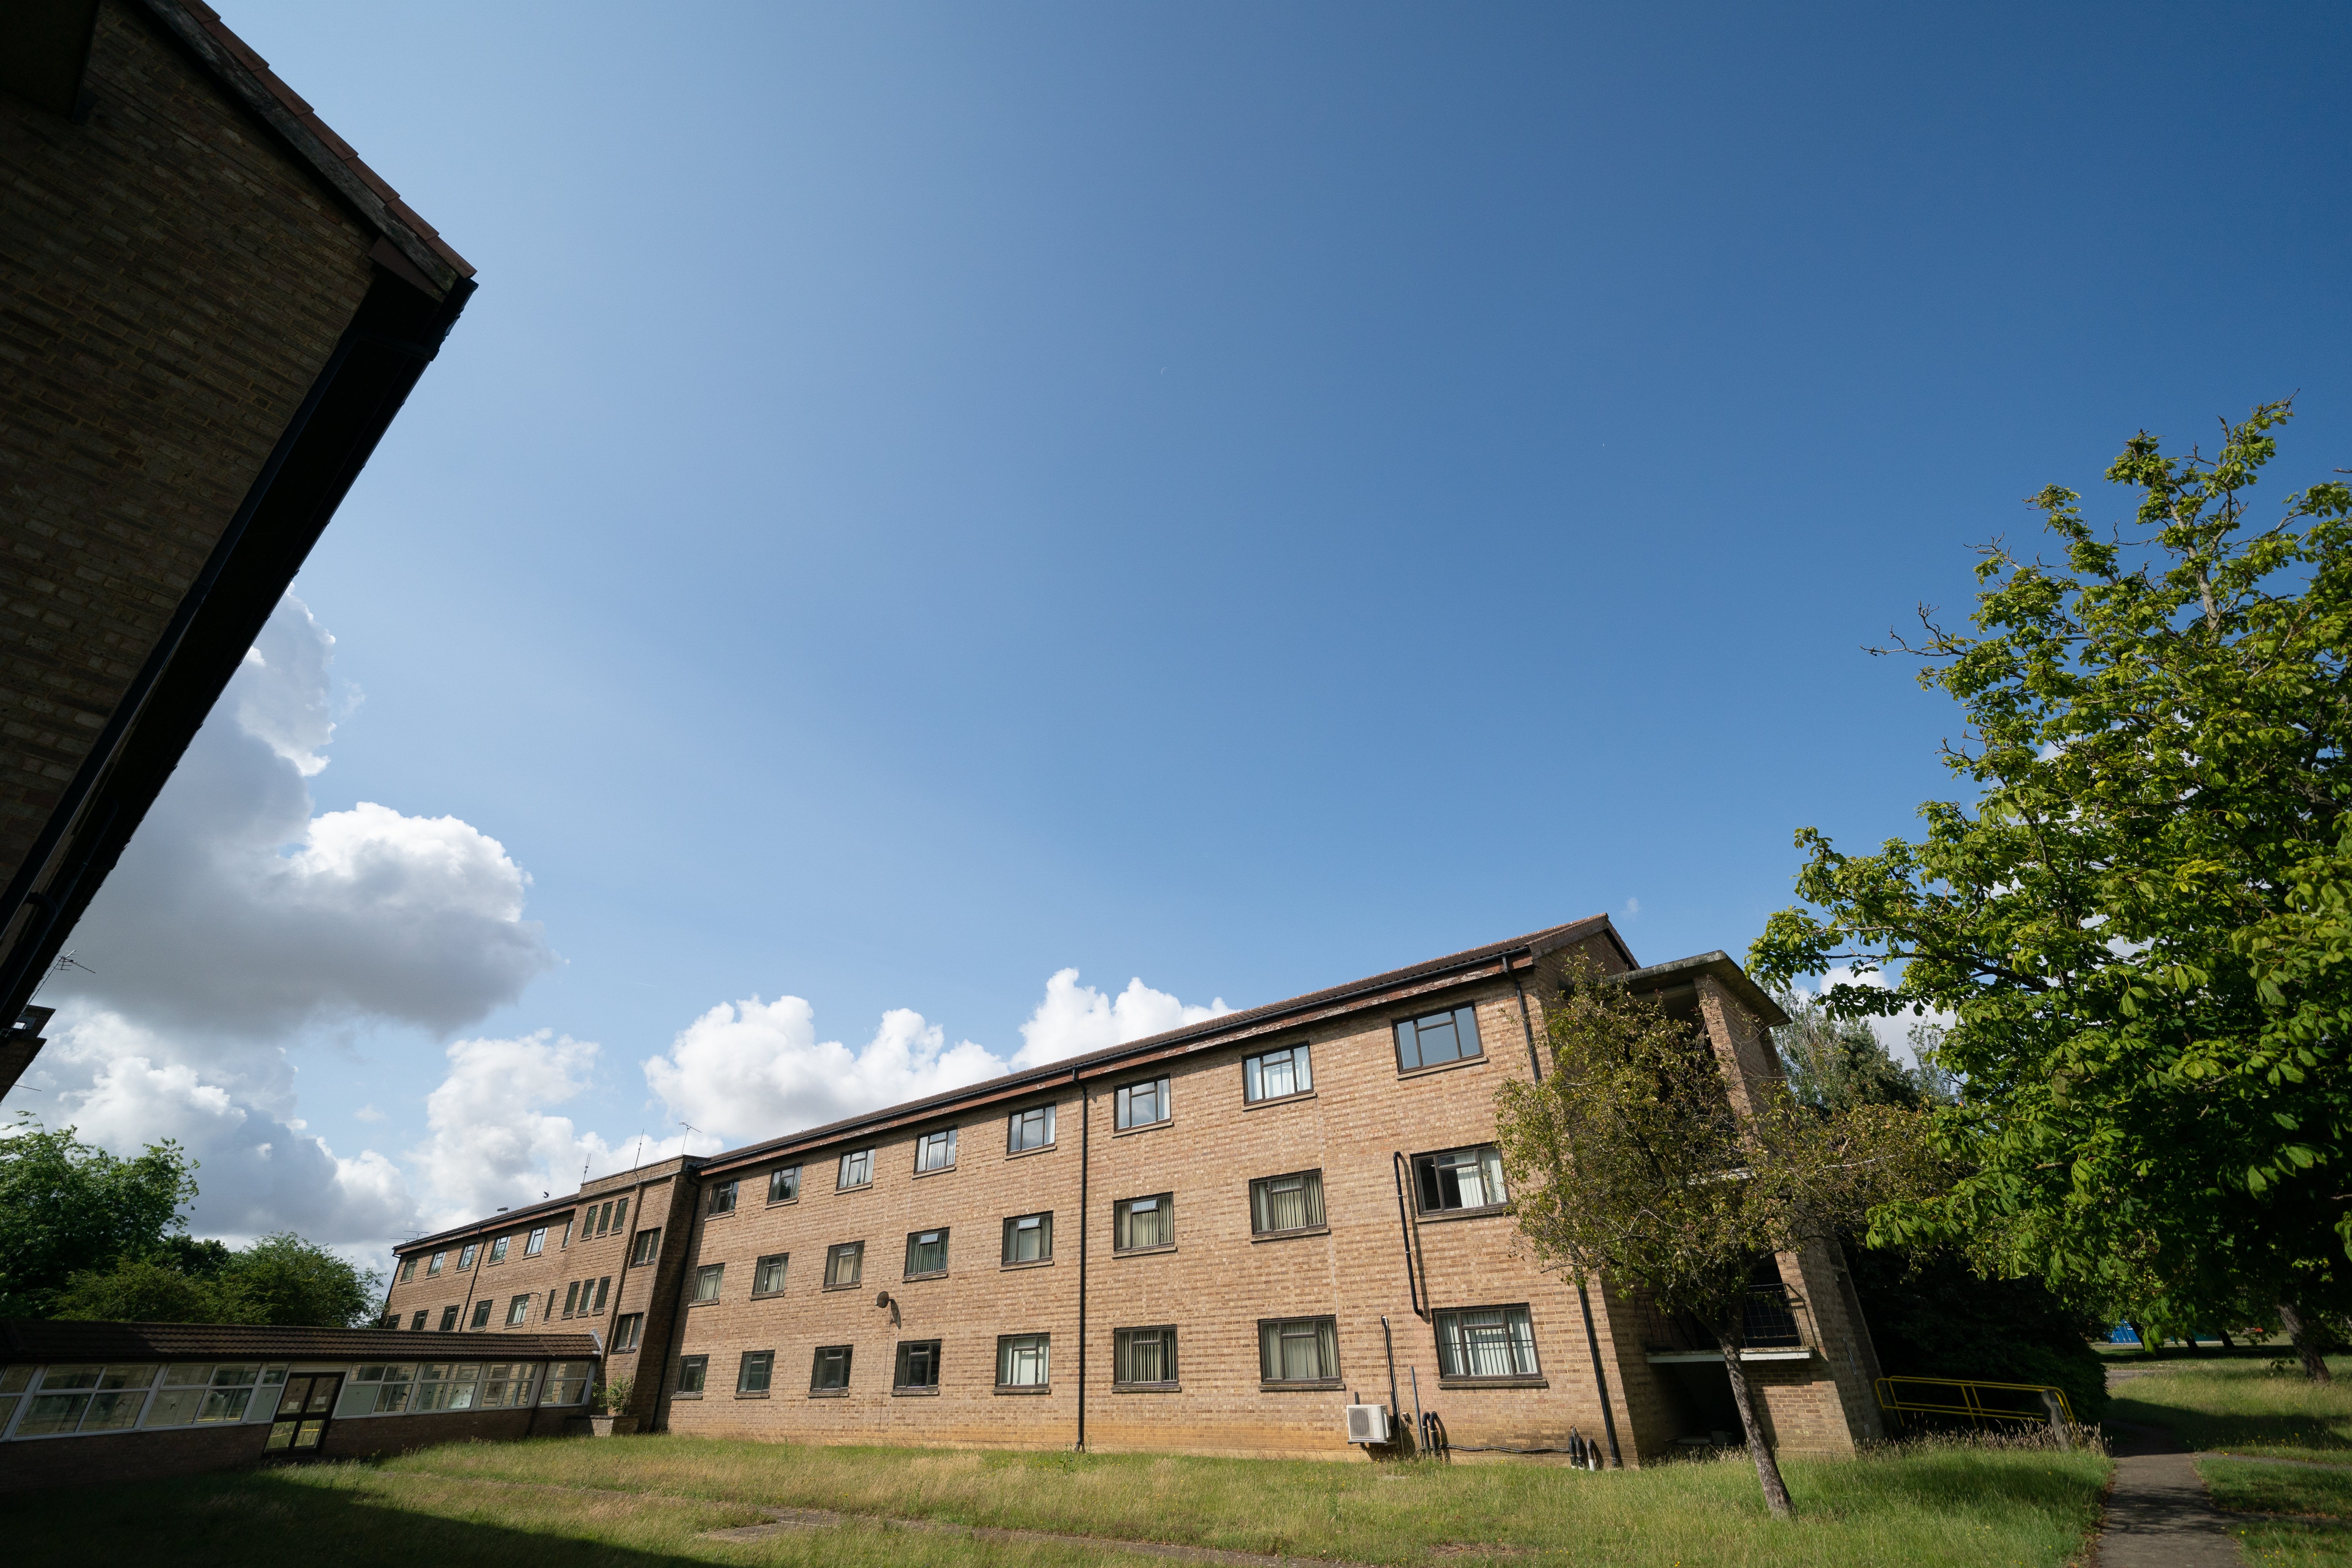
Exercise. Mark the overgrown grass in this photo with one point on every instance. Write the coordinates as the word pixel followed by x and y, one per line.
pixel 2251 1487
pixel 2240 1405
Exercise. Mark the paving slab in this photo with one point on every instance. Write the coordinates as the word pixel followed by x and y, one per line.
pixel 2159 1512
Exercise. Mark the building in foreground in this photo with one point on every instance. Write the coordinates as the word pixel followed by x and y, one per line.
pixel 210 312
pixel 114 1402
pixel 1211 1241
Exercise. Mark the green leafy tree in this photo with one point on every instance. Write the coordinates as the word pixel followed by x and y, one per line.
pixel 149 1291
pixel 1635 1159
pixel 1833 1063
pixel 285 1279
pixel 2142 915
pixel 67 1207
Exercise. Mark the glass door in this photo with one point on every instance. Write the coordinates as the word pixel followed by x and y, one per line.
pixel 304 1405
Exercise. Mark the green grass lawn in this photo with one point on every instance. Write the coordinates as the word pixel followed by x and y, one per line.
pixel 2317 1531
pixel 645 1501
pixel 2237 1405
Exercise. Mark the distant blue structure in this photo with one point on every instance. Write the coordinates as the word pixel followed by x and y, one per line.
pixel 2122 1334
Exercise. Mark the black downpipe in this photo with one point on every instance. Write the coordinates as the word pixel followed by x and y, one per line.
pixel 1388 1343
pixel 1085 1229
pixel 1420 1293
pixel 1527 1024
pixel 1599 1379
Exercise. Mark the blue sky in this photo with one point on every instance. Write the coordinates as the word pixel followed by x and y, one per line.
pixel 1243 497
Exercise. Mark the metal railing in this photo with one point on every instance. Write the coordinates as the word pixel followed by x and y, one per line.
pixel 1974 1400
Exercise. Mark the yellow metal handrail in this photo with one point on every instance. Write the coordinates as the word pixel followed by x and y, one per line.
pixel 1970 1405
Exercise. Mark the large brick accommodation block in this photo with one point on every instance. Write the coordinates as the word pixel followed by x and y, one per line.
pixel 210 311
pixel 1207 1241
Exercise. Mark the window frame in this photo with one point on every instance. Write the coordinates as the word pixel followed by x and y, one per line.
pixel 628 1330
pixel 924 1146
pixel 1122 1216
pixel 841 1182
pixel 645 1253
pixel 409 1268
pixel 693 1376
pixel 519 1308
pixel 1012 1123
pixel 913 1239
pixel 483 1306
pixel 1454 1017
pixel 1011 1229
pixel 498 1249
pixel 1123 1344
pixel 716 1273
pixel 762 1361
pixel 720 1199
pixel 789 1176
pixel 1330 1379
pixel 898 1384
pixel 433 1268
pixel 448 1320
pixel 855 1252
pixel 817 1387
pixel 782 1260
pixel 466 1256
pixel 1123 1104
pixel 1426 1161
pixel 1260 1200
pixel 1525 1320
pixel 537 1242
pixel 1044 1345
pixel 1302 1074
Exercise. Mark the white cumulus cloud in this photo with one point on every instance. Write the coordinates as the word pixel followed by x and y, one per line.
pixel 1074 1019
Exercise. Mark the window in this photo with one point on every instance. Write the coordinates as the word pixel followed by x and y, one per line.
pixel 927 1253
pixel 1031 1129
pixel 567 1382
pixel 830 1370
pixel 648 1244
pixel 417 1327
pixel 1143 1222
pixel 1491 1341
pixel 447 1386
pixel 537 1244
pixel 603 1293
pixel 201 1393
pixel 935 1151
pixel 448 1320
pixel 505 1384
pixel 919 1364
pixel 627 1328
pixel 372 1391
pixel 407 1270
pixel 571 1296
pixel 466 1256
pixel 434 1268
pixel 519 1310
pixel 499 1249
pixel 723 1199
pixel 620 1216
pixel 1143 1356
pixel 784 1184
pixel 857 1170
pixel 706 1282
pixel 768 1274
pixel 1276 1074
pixel 1460 1179
pixel 390 1320
pixel 1022 1361
pixel 482 1313
pixel 1029 1238
pixel 691 1371
pixel 753 1376
pixel 1142 1104
pixel 844 1264
pixel 96 1399
pixel 1287 1203
pixel 604 1218
pixel 1439 1037
pixel 1298 1350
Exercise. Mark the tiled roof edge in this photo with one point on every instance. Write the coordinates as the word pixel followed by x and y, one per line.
pixel 245 73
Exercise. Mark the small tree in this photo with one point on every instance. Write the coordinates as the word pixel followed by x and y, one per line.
pixel 1634 1159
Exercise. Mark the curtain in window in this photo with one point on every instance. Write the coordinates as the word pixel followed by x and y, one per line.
pixel 1299 1349
pixel 1287 1203
pixel 1147 1222
pixel 1145 1355
pixel 1496 1342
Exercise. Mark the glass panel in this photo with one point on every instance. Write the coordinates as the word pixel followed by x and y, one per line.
pixel 1146 1356
pixel 225 1404
pixel 71 1376
pixel 173 1406
pixel 856 1169
pixel 690 1373
pixel 926 1252
pixel 1029 1238
pixel 770 1277
pixel 831 1368
pixel 784 1184
pixel 705 1281
pixel 1408 1052
pixel 1032 1129
pixel 1147 1222
pixel 1022 1361
pixel 918 1364
pixel 1299 1349
pixel 1465 1029
pixel 756 1367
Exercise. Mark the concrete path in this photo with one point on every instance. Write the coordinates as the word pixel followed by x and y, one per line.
pixel 2158 1515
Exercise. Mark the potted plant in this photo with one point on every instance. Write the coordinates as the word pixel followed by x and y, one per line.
pixel 606 1408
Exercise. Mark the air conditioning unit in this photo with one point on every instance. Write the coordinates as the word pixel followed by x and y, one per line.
pixel 1367 1423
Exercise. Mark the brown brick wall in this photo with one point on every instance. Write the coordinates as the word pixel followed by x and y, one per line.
pixel 171 283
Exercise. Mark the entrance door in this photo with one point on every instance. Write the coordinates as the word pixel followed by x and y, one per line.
pixel 303 1407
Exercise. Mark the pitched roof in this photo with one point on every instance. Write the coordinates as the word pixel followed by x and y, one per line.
pixel 233 62
pixel 25 1340
pixel 1206 1035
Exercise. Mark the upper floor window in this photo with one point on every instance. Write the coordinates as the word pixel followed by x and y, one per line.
pixel 1436 1038
pixel 935 1151
pixel 435 1267
pixel 628 1330
pixel 448 1320
pixel 707 1280
pixel 927 1253
pixel 1276 1074
pixel 768 1274
pixel 1287 1203
pixel 1492 1341
pixel 1030 1128
pixel 1143 1222
pixel 537 1244
pixel 499 1249
pixel 407 1268
pixel 844 1263
pixel 723 1199
pixel 482 1314
pixel 784 1184
pixel 1142 1104
pixel 647 1247
pixel 857 1170
pixel 1460 1179
pixel 1029 1238
pixel 466 1254
pixel 519 1310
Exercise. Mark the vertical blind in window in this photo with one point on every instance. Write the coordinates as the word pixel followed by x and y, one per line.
pixel 1287 1203
pixel 1029 1238
pixel 926 1252
pixel 1144 1355
pixel 1277 1073
pixel 705 1281
pixel 1436 1038
pixel 1298 1350
pixel 1145 1221
pixel 845 1263
pixel 1492 1341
